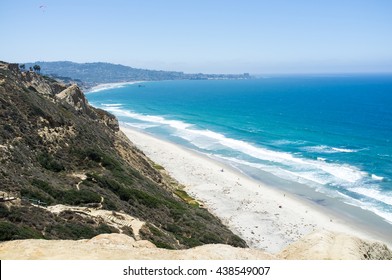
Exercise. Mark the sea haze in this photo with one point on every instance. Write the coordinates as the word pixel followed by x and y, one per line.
pixel 332 134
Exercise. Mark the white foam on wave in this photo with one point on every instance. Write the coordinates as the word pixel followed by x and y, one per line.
pixel 148 118
pixel 377 178
pixel 346 173
pixel 374 193
pixel 343 150
pixel 287 142
pixel 309 178
pixel 315 173
pixel 201 140
pixel 300 175
pixel 112 104
pixel 323 149
pixel 109 107
pixel 141 125
pixel 208 139
pixel 386 215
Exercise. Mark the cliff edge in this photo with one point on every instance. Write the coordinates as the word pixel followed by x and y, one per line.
pixel 316 246
pixel 56 149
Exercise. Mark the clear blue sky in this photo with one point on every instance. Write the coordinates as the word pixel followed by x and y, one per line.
pixel 256 36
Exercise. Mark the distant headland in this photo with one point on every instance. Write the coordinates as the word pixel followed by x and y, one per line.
pixel 88 75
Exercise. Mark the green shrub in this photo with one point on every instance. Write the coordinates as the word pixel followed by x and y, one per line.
pixel 48 162
pixel 185 197
pixel 8 128
pixel 36 195
pixel 72 230
pixel 109 205
pixel 9 231
pixel 209 238
pixel 96 155
pixel 144 198
pixel 177 214
pixel 123 177
pixel 157 166
pixel 26 232
pixel 236 241
pixel 110 163
pixel 93 154
pixel 173 228
pixel 104 228
pixel 162 245
pixel 204 214
pixel 156 232
pixel 104 182
pixel 84 231
pixel 44 186
pixel 126 193
pixel 190 242
pixel 4 212
pixel 123 193
pixel 77 197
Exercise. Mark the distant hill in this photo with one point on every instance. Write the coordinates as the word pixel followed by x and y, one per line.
pixel 100 72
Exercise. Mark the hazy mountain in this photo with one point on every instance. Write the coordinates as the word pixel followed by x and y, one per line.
pixel 99 72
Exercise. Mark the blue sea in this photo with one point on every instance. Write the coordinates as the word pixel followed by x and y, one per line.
pixel 330 134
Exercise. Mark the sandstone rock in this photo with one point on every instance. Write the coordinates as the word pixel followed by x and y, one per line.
pixel 321 245
pixel 75 97
pixel 326 245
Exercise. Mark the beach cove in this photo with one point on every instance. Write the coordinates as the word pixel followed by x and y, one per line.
pixel 265 217
pixel 275 160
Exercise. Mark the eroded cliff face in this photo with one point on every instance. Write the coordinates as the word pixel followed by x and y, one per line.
pixel 57 149
pixel 33 81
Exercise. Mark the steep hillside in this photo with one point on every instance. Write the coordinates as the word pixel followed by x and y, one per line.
pixel 57 149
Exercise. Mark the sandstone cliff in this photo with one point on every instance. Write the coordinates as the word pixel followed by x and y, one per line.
pixel 57 149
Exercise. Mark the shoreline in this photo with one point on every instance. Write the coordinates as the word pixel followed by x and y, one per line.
pixel 265 217
pixel 105 86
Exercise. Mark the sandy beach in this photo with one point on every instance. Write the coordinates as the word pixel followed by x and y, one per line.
pixel 106 86
pixel 266 218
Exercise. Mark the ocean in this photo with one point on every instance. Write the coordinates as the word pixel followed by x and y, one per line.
pixel 331 135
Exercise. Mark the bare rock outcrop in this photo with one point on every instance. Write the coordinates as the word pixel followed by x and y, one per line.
pixel 75 97
pixel 326 245
pixel 118 247
pixel 321 245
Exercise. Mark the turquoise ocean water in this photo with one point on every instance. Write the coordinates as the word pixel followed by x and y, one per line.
pixel 330 134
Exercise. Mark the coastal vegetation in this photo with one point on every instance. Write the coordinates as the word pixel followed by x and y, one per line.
pixel 58 150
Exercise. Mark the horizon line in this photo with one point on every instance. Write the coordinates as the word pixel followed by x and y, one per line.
pixel 283 73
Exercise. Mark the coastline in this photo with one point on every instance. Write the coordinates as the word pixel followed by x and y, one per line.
pixel 265 217
pixel 107 86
